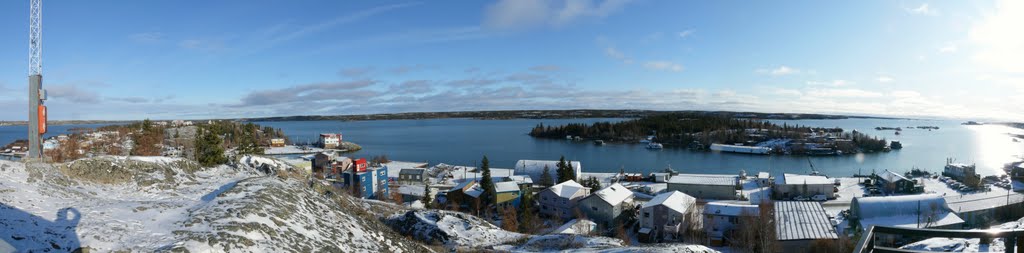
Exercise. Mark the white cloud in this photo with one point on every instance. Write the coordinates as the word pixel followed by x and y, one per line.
pixel 948 48
pixel 779 71
pixel 885 79
pixel 843 93
pixel 687 33
pixel 664 65
pixel 614 53
pixel 904 94
pixel 833 83
pixel 924 9
pixel 998 37
pixel 524 14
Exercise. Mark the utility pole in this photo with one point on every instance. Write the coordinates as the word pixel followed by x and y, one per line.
pixel 36 94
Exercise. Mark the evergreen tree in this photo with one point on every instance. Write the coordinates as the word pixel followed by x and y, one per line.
pixel 528 218
pixel 486 182
pixel 592 183
pixel 563 173
pixel 427 200
pixel 208 150
pixel 545 177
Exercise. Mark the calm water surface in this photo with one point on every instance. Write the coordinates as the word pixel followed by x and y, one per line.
pixel 465 141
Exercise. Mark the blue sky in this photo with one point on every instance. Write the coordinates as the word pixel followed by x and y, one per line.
pixel 227 59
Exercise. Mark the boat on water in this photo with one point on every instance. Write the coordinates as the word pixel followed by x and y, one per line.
pixel 655 145
pixel 897 133
pixel 599 142
pixel 895 145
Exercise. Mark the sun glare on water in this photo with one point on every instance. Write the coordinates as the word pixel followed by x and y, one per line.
pixel 996 147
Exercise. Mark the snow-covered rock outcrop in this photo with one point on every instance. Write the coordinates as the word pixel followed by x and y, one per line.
pixel 147 204
pixel 452 229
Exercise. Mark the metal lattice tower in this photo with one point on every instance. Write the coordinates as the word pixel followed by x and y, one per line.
pixel 35 38
pixel 36 94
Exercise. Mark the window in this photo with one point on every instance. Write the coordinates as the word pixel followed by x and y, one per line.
pixel 593 208
pixel 732 219
pixel 647 215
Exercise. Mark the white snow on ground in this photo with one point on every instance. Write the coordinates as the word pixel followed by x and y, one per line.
pixel 965 245
pixel 584 243
pixel 453 229
pixel 112 217
pixel 219 209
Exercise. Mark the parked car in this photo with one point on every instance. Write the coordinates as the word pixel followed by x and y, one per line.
pixel 819 197
pixel 801 198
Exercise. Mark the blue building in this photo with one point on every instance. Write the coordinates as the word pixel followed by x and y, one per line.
pixel 369 182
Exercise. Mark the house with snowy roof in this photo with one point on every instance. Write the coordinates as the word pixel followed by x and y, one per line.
pixel 607 206
pixel 908 211
pixel 578 227
pixel 790 186
pixel 895 183
pixel 465 195
pixel 662 217
pixel 720 218
pixel 535 168
pixel 560 200
pixel 507 193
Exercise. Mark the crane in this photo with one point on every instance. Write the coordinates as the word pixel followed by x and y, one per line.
pixel 36 94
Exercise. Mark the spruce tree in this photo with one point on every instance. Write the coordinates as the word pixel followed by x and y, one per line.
pixel 563 171
pixel 486 182
pixel 427 200
pixel 545 177
pixel 208 150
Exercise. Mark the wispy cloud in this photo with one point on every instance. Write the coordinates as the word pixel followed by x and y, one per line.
pixel 923 9
pixel 778 71
pixel 833 83
pixel 885 79
pixel 330 91
pixel 546 68
pixel 664 65
pixel 687 33
pixel 614 53
pixel 948 48
pixel 526 14
pixel 147 37
pixel 72 93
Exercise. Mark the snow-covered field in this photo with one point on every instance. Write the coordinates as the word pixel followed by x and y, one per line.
pixel 150 204
pixel 452 229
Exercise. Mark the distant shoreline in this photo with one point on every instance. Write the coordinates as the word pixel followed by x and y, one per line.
pixel 497 115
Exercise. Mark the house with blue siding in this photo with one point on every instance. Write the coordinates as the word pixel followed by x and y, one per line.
pixel 369 183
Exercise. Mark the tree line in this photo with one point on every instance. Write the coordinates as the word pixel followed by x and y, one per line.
pixel 696 130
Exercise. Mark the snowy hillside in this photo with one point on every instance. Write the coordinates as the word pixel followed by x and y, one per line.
pixel 156 204
pixel 452 229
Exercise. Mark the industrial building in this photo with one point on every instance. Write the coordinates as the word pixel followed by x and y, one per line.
pixel 790 186
pixel 908 211
pixel 705 186
pixel 798 223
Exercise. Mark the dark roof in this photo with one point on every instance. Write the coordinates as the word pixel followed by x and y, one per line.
pixel 411 172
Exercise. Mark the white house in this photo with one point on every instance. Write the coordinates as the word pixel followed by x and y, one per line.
pixel 560 200
pixel 606 206
pixel 665 214
pixel 720 218
pixel 789 186
pixel 329 140
pixel 535 168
